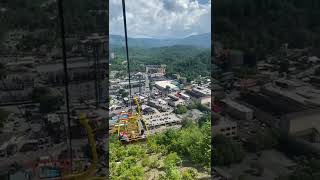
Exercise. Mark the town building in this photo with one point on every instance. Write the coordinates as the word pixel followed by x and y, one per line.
pixel 237 110
pixel 159 104
pixel 199 91
pixel 176 103
pixel 158 120
pixel 304 124
pixel 226 127
pixel 155 71
pixel 163 85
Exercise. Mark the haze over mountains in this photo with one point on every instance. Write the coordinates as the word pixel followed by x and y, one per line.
pixel 201 40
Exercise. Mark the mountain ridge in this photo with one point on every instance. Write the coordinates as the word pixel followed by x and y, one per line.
pixel 201 40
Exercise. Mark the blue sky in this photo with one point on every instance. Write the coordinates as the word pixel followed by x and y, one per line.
pixel 161 18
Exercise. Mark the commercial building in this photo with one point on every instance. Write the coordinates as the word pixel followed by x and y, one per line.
pixel 155 71
pixel 175 103
pixel 201 95
pixel 226 127
pixel 159 104
pixel 237 110
pixel 302 124
pixel 205 101
pixel 184 96
pixel 162 85
pixel 297 97
pixel 173 97
pixel 135 83
pixel 199 91
pixel 158 120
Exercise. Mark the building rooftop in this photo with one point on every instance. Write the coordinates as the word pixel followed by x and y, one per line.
pixel 164 84
pixel 161 118
pixel 236 105
pixel 304 94
pixel 202 90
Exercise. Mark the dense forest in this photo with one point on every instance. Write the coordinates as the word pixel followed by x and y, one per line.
pixel 188 61
pixel 264 25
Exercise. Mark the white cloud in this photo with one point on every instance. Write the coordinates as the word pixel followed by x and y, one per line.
pixel 161 18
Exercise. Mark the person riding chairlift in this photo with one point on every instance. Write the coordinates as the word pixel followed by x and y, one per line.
pixel 123 136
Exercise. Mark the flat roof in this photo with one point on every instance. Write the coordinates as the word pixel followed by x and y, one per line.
pixel 237 105
pixel 304 94
pixel 164 84
pixel 203 90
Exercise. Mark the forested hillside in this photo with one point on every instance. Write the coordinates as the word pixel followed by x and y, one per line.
pixel 265 24
pixel 174 154
pixel 187 60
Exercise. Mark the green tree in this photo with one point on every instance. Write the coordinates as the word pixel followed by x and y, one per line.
pixel 123 93
pixel 204 119
pixel 189 174
pixel 201 107
pixel 181 109
pixel 172 159
pixel 172 173
pixel 135 172
pixel 192 105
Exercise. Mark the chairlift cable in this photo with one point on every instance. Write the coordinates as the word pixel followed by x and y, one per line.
pixel 127 51
pixel 62 33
